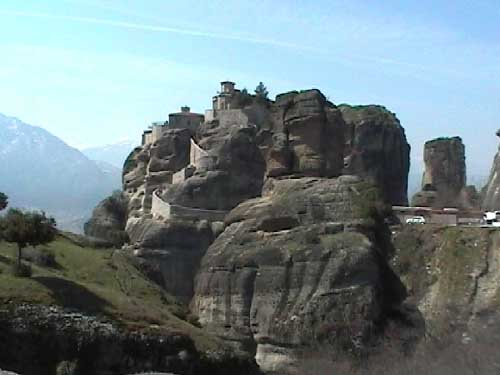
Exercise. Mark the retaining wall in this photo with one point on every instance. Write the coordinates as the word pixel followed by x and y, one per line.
pixel 159 208
pixel 163 210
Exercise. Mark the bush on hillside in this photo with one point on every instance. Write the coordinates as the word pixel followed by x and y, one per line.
pixel 21 270
pixel 41 257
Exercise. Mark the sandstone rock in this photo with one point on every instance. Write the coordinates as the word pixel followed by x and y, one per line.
pixel 308 136
pixel 170 252
pixel 452 275
pixel 235 174
pixel 444 180
pixel 376 148
pixel 491 199
pixel 108 220
pixel 151 167
pixel 285 275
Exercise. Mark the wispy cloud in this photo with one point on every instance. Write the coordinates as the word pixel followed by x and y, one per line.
pixel 157 28
pixel 328 54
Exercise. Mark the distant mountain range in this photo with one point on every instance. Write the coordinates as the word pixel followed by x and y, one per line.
pixel 114 154
pixel 40 171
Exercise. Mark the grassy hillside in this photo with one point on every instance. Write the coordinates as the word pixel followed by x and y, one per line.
pixel 99 282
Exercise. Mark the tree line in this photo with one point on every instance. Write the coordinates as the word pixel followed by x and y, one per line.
pixel 25 228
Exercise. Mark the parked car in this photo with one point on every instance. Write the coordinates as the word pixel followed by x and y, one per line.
pixel 415 220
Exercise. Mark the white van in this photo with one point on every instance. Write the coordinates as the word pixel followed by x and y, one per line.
pixel 415 220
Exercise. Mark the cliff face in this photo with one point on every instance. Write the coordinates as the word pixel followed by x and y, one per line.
pixel 376 148
pixel 231 171
pixel 308 136
pixel 152 166
pixel 444 179
pixel 451 274
pixel 491 198
pixel 299 259
pixel 297 267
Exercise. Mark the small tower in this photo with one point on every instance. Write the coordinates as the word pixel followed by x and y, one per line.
pixel 185 109
pixel 227 87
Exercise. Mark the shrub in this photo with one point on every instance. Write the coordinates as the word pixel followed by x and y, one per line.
pixel 41 257
pixel 67 368
pixel 193 320
pixel 21 270
pixel 46 258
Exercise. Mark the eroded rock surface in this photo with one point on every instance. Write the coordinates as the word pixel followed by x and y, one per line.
pixel 232 171
pixel 170 252
pixel 109 219
pixel 152 166
pixel 297 260
pixel 444 179
pixel 491 198
pixel 452 275
pixel 308 136
pixel 296 267
pixel 376 148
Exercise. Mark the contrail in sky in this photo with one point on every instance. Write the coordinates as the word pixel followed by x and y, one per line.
pixel 341 58
pixel 156 28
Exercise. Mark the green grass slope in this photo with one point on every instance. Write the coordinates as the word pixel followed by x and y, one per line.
pixel 101 282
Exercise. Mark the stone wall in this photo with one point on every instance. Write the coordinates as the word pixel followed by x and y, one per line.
pixel 163 210
pixel 232 117
pixel 181 212
pixel 159 208
pixel 188 120
pixel 199 158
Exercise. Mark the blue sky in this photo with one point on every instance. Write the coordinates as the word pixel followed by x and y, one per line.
pixel 94 72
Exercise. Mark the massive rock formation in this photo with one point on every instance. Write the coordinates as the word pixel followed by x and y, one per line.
pixel 298 260
pixel 108 220
pixel 376 148
pixel 444 179
pixel 308 136
pixel 151 167
pixel 451 274
pixel 491 198
pixel 301 265
pixel 231 171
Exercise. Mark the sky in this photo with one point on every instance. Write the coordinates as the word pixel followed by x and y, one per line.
pixel 94 72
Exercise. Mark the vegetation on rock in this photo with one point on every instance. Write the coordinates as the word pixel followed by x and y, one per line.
pixel 261 91
pixel 3 201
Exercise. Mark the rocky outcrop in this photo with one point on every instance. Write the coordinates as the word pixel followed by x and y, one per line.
pixel 301 257
pixel 308 136
pixel 232 170
pixel 109 219
pixel 376 148
pixel 491 198
pixel 444 179
pixel 452 275
pixel 170 252
pixel 35 340
pixel 152 166
pixel 301 265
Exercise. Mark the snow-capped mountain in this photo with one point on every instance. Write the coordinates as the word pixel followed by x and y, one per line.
pixel 40 171
pixel 114 154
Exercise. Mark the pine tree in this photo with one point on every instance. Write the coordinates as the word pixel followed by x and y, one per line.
pixel 244 98
pixel 3 201
pixel 261 91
